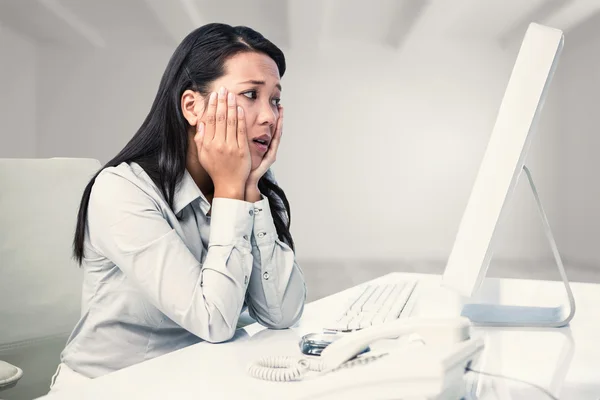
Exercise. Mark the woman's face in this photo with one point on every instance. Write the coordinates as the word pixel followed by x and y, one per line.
pixel 254 80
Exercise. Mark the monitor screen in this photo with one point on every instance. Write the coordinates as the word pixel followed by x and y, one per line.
pixel 503 159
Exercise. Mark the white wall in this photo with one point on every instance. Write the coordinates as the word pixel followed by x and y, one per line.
pixel 18 93
pixel 383 149
pixel 92 101
pixel 580 163
pixel 380 147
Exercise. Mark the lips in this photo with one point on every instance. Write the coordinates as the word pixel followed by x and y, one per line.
pixel 263 140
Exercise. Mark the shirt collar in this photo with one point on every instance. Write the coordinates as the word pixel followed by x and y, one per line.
pixel 186 192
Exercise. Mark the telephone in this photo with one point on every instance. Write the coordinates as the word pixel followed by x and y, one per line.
pixel 429 363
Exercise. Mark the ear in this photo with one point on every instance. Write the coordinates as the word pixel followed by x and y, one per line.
pixel 192 106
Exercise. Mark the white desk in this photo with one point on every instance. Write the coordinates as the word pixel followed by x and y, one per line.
pixel 565 361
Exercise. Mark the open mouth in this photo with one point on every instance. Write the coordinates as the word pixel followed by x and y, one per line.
pixel 262 145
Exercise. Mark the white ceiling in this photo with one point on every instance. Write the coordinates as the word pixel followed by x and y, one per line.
pixel 288 23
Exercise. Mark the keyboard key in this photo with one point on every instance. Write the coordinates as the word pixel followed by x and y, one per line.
pixel 399 303
pixel 354 324
pixel 362 299
pixel 372 301
pixel 378 299
pixel 387 305
pixel 341 324
pixel 375 305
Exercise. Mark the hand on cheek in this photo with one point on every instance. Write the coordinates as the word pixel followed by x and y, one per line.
pixel 271 155
pixel 222 145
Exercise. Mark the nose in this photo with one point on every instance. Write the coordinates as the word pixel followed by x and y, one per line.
pixel 267 114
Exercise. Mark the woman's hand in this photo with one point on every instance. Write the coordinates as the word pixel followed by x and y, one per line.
pixel 222 146
pixel 270 156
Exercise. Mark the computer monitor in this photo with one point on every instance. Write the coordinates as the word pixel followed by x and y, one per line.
pixel 504 158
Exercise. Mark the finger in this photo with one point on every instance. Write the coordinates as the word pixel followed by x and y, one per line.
pixel 211 110
pixel 280 122
pixel 271 154
pixel 231 119
pixel 242 138
pixel 199 138
pixel 221 124
pixel 278 129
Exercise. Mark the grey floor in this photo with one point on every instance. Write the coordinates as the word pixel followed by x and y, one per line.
pixel 38 360
pixel 324 278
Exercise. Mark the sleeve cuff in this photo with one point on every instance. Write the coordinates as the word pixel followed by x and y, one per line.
pixel 231 222
pixel 264 228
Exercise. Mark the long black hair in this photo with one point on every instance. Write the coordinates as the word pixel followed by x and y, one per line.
pixel 160 145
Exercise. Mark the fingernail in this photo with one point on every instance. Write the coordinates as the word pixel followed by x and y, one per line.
pixel 200 127
pixel 230 97
pixel 213 97
pixel 222 91
pixel 240 111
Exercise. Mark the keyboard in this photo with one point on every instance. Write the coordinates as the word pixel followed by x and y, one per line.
pixel 375 305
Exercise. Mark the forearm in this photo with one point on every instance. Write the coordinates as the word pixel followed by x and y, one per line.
pixel 233 192
pixel 277 291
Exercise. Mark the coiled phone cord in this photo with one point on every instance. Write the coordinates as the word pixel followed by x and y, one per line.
pixel 285 369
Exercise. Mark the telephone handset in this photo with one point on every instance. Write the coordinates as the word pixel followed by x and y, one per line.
pixel 440 331
pixel 448 337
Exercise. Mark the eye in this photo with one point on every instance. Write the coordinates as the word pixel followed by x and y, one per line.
pixel 250 92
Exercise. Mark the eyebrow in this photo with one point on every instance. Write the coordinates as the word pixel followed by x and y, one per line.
pixel 255 82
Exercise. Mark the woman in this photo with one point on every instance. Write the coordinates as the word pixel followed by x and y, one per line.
pixel 186 226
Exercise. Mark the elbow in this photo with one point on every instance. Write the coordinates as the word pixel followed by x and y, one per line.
pixel 216 330
pixel 220 334
pixel 284 318
pixel 289 316
pixel 288 313
pixel 288 322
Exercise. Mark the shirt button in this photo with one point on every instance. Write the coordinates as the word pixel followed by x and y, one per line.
pixel 266 276
pixel 261 234
pixel 251 212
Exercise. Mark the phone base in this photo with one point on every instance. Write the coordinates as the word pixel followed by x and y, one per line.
pixel 432 372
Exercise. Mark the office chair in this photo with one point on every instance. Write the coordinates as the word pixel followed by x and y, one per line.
pixel 40 283
pixel 9 375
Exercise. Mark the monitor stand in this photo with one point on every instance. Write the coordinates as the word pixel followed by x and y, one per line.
pixel 524 316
